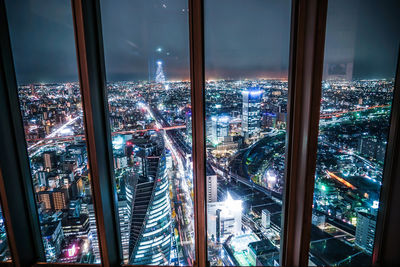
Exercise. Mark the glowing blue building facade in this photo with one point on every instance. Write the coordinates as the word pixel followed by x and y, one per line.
pixel 151 226
pixel 251 112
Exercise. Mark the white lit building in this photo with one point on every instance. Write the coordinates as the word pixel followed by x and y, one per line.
pixel 219 128
pixel 266 218
pixel 212 185
pixel 150 230
pixel 224 218
pixel 93 232
pixel 124 211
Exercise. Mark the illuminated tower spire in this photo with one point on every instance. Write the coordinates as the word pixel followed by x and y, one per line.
pixel 160 77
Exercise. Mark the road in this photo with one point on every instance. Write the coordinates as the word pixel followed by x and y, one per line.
pixel 182 189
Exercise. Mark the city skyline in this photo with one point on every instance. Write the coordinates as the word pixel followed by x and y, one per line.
pixel 227 56
pixel 254 155
pixel 246 97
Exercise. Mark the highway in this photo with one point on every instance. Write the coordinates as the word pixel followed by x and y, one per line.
pixel 181 190
pixel 55 133
pixel 182 149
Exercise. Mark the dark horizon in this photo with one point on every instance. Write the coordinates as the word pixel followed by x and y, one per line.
pixel 362 33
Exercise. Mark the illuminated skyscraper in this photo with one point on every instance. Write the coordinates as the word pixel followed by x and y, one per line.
pixel 212 184
pixel 150 228
pixel 224 218
pixel 60 199
pixel 52 237
pixel 219 128
pixel 265 218
pixel 251 112
pixel 124 212
pixel 93 232
pixel 188 122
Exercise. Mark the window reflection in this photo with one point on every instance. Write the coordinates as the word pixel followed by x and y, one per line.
pixel 147 65
pixel 49 94
pixel 247 56
pixel 360 61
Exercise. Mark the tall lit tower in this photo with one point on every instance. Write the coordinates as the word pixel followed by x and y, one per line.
pixel 150 230
pixel 251 112
pixel 160 77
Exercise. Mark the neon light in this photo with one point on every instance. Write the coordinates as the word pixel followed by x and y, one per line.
pixel 72 251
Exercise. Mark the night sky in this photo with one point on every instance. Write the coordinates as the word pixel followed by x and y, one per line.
pixel 244 38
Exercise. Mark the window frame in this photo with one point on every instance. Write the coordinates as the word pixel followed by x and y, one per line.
pixel 20 213
pixel 91 71
pixel 386 232
pixel 307 45
pixel 307 38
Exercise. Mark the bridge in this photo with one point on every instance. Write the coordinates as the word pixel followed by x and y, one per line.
pixel 72 137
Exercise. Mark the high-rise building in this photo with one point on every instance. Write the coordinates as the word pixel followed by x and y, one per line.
pixel 56 199
pixel 224 218
pixel 60 199
pixel 188 122
pixel 263 253
pixel 74 208
pixel 150 233
pixel 219 128
pixel 46 199
pixel 212 185
pixel 372 147
pixel 52 235
pixel 365 231
pixel 124 212
pixel 49 159
pixel 265 218
pixel 93 232
pixel 77 151
pixel 251 112
pixel 76 227
pixel 42 178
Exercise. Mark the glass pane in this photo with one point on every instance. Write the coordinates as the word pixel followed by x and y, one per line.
pixel 4 251
pixel 44 53
pixel 362 41
pixel 147 65
pixel 247 56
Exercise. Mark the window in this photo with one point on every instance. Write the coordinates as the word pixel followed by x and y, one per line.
pixel 50 102
pixel 120 107
pixel 362 38
pixel 147 65
pixel 246 57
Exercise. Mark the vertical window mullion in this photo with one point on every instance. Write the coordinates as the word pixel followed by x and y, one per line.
pixel 305 77
pixel 196 35
pixel 387 233
pixel 20 214
pixel 89 46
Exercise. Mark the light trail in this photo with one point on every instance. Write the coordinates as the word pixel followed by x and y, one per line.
pixel 185 242
pixel 343 181
pixel 53 134
pixel 113 133
pixel 341 113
